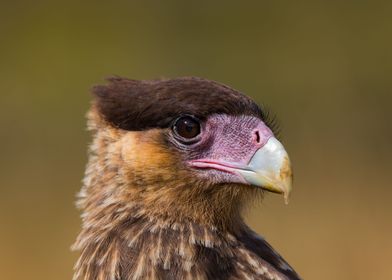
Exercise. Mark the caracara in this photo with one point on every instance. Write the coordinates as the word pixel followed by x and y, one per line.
pixel 172 164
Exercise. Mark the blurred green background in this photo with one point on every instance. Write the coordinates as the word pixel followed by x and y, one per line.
pixel 324 67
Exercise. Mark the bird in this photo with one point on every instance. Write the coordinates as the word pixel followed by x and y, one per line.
pixel 172 165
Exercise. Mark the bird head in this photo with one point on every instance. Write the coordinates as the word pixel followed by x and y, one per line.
pixel 185 148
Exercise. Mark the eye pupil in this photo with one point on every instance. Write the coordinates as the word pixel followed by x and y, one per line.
pixel 187 127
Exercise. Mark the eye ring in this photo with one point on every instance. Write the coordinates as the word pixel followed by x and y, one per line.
pixel 187 128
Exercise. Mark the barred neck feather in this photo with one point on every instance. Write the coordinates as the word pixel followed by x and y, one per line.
pixel 134 247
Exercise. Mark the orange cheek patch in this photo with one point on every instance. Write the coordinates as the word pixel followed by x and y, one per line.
pixel 146 156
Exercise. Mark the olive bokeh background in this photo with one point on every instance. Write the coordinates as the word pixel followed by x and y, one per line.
pixel 324 67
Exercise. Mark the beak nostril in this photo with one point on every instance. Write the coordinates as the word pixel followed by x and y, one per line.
pixel 257 137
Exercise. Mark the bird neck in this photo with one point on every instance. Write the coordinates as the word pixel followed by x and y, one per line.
pixel 124 243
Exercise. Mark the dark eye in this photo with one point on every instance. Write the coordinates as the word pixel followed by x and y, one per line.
pixel 187 127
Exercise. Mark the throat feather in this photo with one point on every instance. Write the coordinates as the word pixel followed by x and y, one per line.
pixel 141 248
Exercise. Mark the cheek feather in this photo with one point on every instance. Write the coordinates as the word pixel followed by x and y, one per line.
pixel 146 157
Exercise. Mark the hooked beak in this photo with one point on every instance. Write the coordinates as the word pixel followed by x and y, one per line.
pixel 269 168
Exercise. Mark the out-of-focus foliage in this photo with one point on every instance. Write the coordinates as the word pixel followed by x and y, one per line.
pixel 324 67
